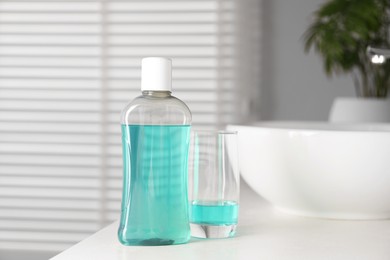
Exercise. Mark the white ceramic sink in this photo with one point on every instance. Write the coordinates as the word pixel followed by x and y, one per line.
pixel 324 170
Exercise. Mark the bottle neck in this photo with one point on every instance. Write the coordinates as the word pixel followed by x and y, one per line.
pixel 158 94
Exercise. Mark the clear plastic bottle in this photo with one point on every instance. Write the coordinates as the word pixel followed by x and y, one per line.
pixel 155 142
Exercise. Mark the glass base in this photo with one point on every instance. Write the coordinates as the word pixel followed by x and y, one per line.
pixel 211 231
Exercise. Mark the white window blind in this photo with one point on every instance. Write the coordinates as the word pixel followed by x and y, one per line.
pixel 67 68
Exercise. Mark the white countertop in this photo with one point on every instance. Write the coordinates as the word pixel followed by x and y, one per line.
pixel 263 233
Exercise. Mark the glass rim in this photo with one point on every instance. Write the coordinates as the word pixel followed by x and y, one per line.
pixel 213 132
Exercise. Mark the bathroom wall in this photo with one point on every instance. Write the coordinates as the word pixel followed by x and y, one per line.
pixel 294 86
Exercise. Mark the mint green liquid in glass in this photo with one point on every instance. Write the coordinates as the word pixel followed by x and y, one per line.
pixel 154 199
pixel 214 213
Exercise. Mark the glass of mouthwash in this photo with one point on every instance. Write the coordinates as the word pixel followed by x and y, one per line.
pixel 214 184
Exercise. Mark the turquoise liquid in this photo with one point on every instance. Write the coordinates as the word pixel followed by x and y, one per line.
pixel 218 213
pixel 154 199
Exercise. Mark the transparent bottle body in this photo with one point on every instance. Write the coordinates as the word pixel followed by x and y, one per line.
pixel 155 142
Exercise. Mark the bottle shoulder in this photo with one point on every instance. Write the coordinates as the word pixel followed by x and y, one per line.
pixel 151 110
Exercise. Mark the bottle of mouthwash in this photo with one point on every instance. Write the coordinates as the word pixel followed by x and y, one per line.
pixel 155 143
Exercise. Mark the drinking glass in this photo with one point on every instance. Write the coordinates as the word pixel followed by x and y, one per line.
pixel 214 184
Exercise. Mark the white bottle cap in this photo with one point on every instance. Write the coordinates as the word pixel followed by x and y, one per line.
pixel 156 74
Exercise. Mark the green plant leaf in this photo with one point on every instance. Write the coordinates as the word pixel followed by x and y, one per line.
pixel 333 7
